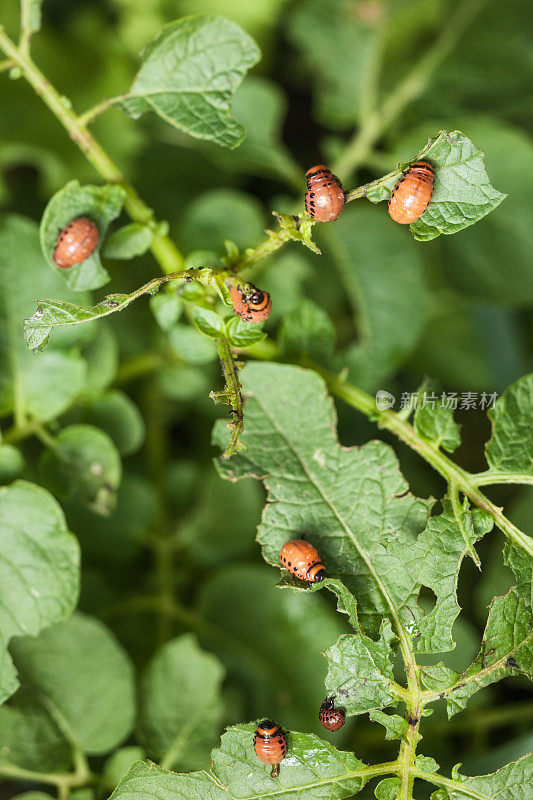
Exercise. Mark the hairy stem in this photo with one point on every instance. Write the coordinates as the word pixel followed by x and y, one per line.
pixel 231 395
pixel 163 248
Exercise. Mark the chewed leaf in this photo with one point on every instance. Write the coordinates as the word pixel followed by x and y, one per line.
pixel 102 204
pixel 55 313
pixel 512 782
pixel 189 75
pixel 506 649
pixel 312 769
pixel 352 504
pixel 462 193
pixel 360 671
pixel 510 449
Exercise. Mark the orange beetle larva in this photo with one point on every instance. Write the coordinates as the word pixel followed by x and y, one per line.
pixel 250 303
pixel 411 195
pixel 302 560
pixel 270 745
pixel 76 242
pixel 324 198
pixel 330 717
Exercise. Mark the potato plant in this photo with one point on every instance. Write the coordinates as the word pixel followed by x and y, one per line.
pixel 383 411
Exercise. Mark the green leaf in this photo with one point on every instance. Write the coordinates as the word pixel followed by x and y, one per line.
pixel 395 726
pixel 352 503
pixel 241 333
pixel 29 737
pixel 118 764
pixel 507 646
pixel 426 764
pixel 307 331
pixel 119 417
pixel 84 677
pixel 192 346
pixel 360 671
pixel 102 204
pixel 385 279
pixel 297 227
pixel 180 706
pixel 310 768
pixel 189 75
pixel 462 193
pixel 166 308
pixel 282 668
pixel 56 313
pixel 39 569
pixel 11 463
pixel 208 322
pixel 512 782
pixel 507 649
pixel 31 15
pixel 434 421
pixel 510 449
pixel 436 559
pixel 387 789
pixel 84 462
pixel 42 387
pixel 129 242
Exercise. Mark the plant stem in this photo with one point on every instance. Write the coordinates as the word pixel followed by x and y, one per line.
pixel 491 477
pixel 163 248
pixel 88 116
pixel 447 783
pixel 66 780
pixel 231 394
pixel 411 87
pixel 453 474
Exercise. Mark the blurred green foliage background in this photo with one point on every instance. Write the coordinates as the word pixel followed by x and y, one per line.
pixel 458 309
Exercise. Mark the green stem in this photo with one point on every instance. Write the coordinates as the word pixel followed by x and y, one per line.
pixel 406 756
pixel 491 477
pixel 163 248
pixel 411 87
pixel 447 783
pixel 25 27
pixel 231 395
pixel 67 780
pixel 88 116
pixel 453 474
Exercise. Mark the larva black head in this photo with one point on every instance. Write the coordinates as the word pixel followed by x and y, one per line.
pixel 328 703
pixel 266 725
pixel 319 576
pixel 257 297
